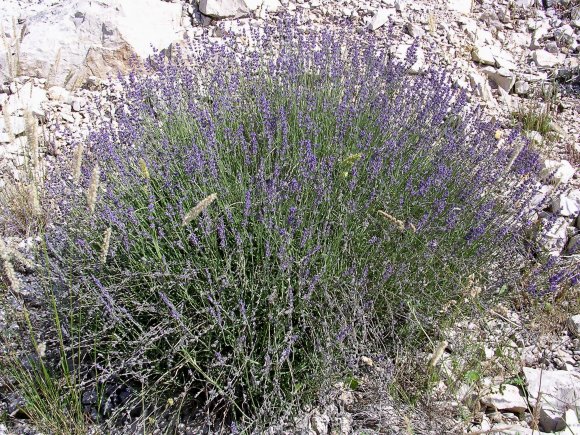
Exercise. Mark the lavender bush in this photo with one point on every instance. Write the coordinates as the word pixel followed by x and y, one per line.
pixel 252 219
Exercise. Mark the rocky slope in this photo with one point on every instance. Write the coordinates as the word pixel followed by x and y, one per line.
pixel 512 56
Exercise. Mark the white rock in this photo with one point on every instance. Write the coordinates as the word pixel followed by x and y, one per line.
pixel 559 171
pixel 520 39
pixel 381 17
pixel 319 423
pixel 535 136
pixel 505 398
pixel 461 6
pixel 541 192
pixel 541 30
pixel 567 204
pixel 505 59
pixel 414 30
pixel 343 424
pixel 572 423
pixel 58 93
pixel 271 5
pixel 485 424
pixel 253 4
pixel 483 37
pixel 480 86
pixel 95 37
pixel 555 235
pixel 571 428
pixel 517 430
pixel 17 125
pixel 505 98
pixel 521 87
pixel 493 55
pixel 502 77
pixel 4 138
pixel 484 54
pixel 574 325
pixel 560 391
pixel 401 54
pixel 565 30
pixel 534 78
pixel 524 3
pixel 552 47
pixel 77 104
pixel 224 8
pixel 544 59
pixel 27 97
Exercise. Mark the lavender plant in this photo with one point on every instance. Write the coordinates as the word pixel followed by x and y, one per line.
pixel 251 220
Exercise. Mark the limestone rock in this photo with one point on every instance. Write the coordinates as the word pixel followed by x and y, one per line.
pixel 567 204
pixel 524 3
pixel 572 423
pixel 540 195
pixel 480 86
pixel 271 5
pixel 57 93
pixel 461 6
pixel 535 137
pixel 504 59
pixel 319 423
pixel 253 4
pixel 502 77
pixel 401 54
pixel 494 56
pixel 484 55
pixel 556 391
pixel 517 430
pixel 505 398
pixel 563 32
pixel 381 17
pixel 558 171
pixel 16 127
pixel 544 59
pixel 574 325
pixel 95 37
pixel 27 97
pixel 224 8
pixel 414 30
pixel 521 87
pixel 554 235
pixel 343 424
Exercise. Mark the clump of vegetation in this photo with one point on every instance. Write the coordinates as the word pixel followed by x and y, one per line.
pixel 21 200
pixel 537 116
pixel 534 117
pixel 11 48
pixel 236 236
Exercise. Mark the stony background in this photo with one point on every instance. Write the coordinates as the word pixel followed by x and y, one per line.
pixel 61 56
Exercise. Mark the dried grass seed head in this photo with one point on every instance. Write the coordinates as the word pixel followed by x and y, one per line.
pixel 93 188
pixel 198 209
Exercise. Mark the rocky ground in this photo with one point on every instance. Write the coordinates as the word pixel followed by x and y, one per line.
pixel 512 56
